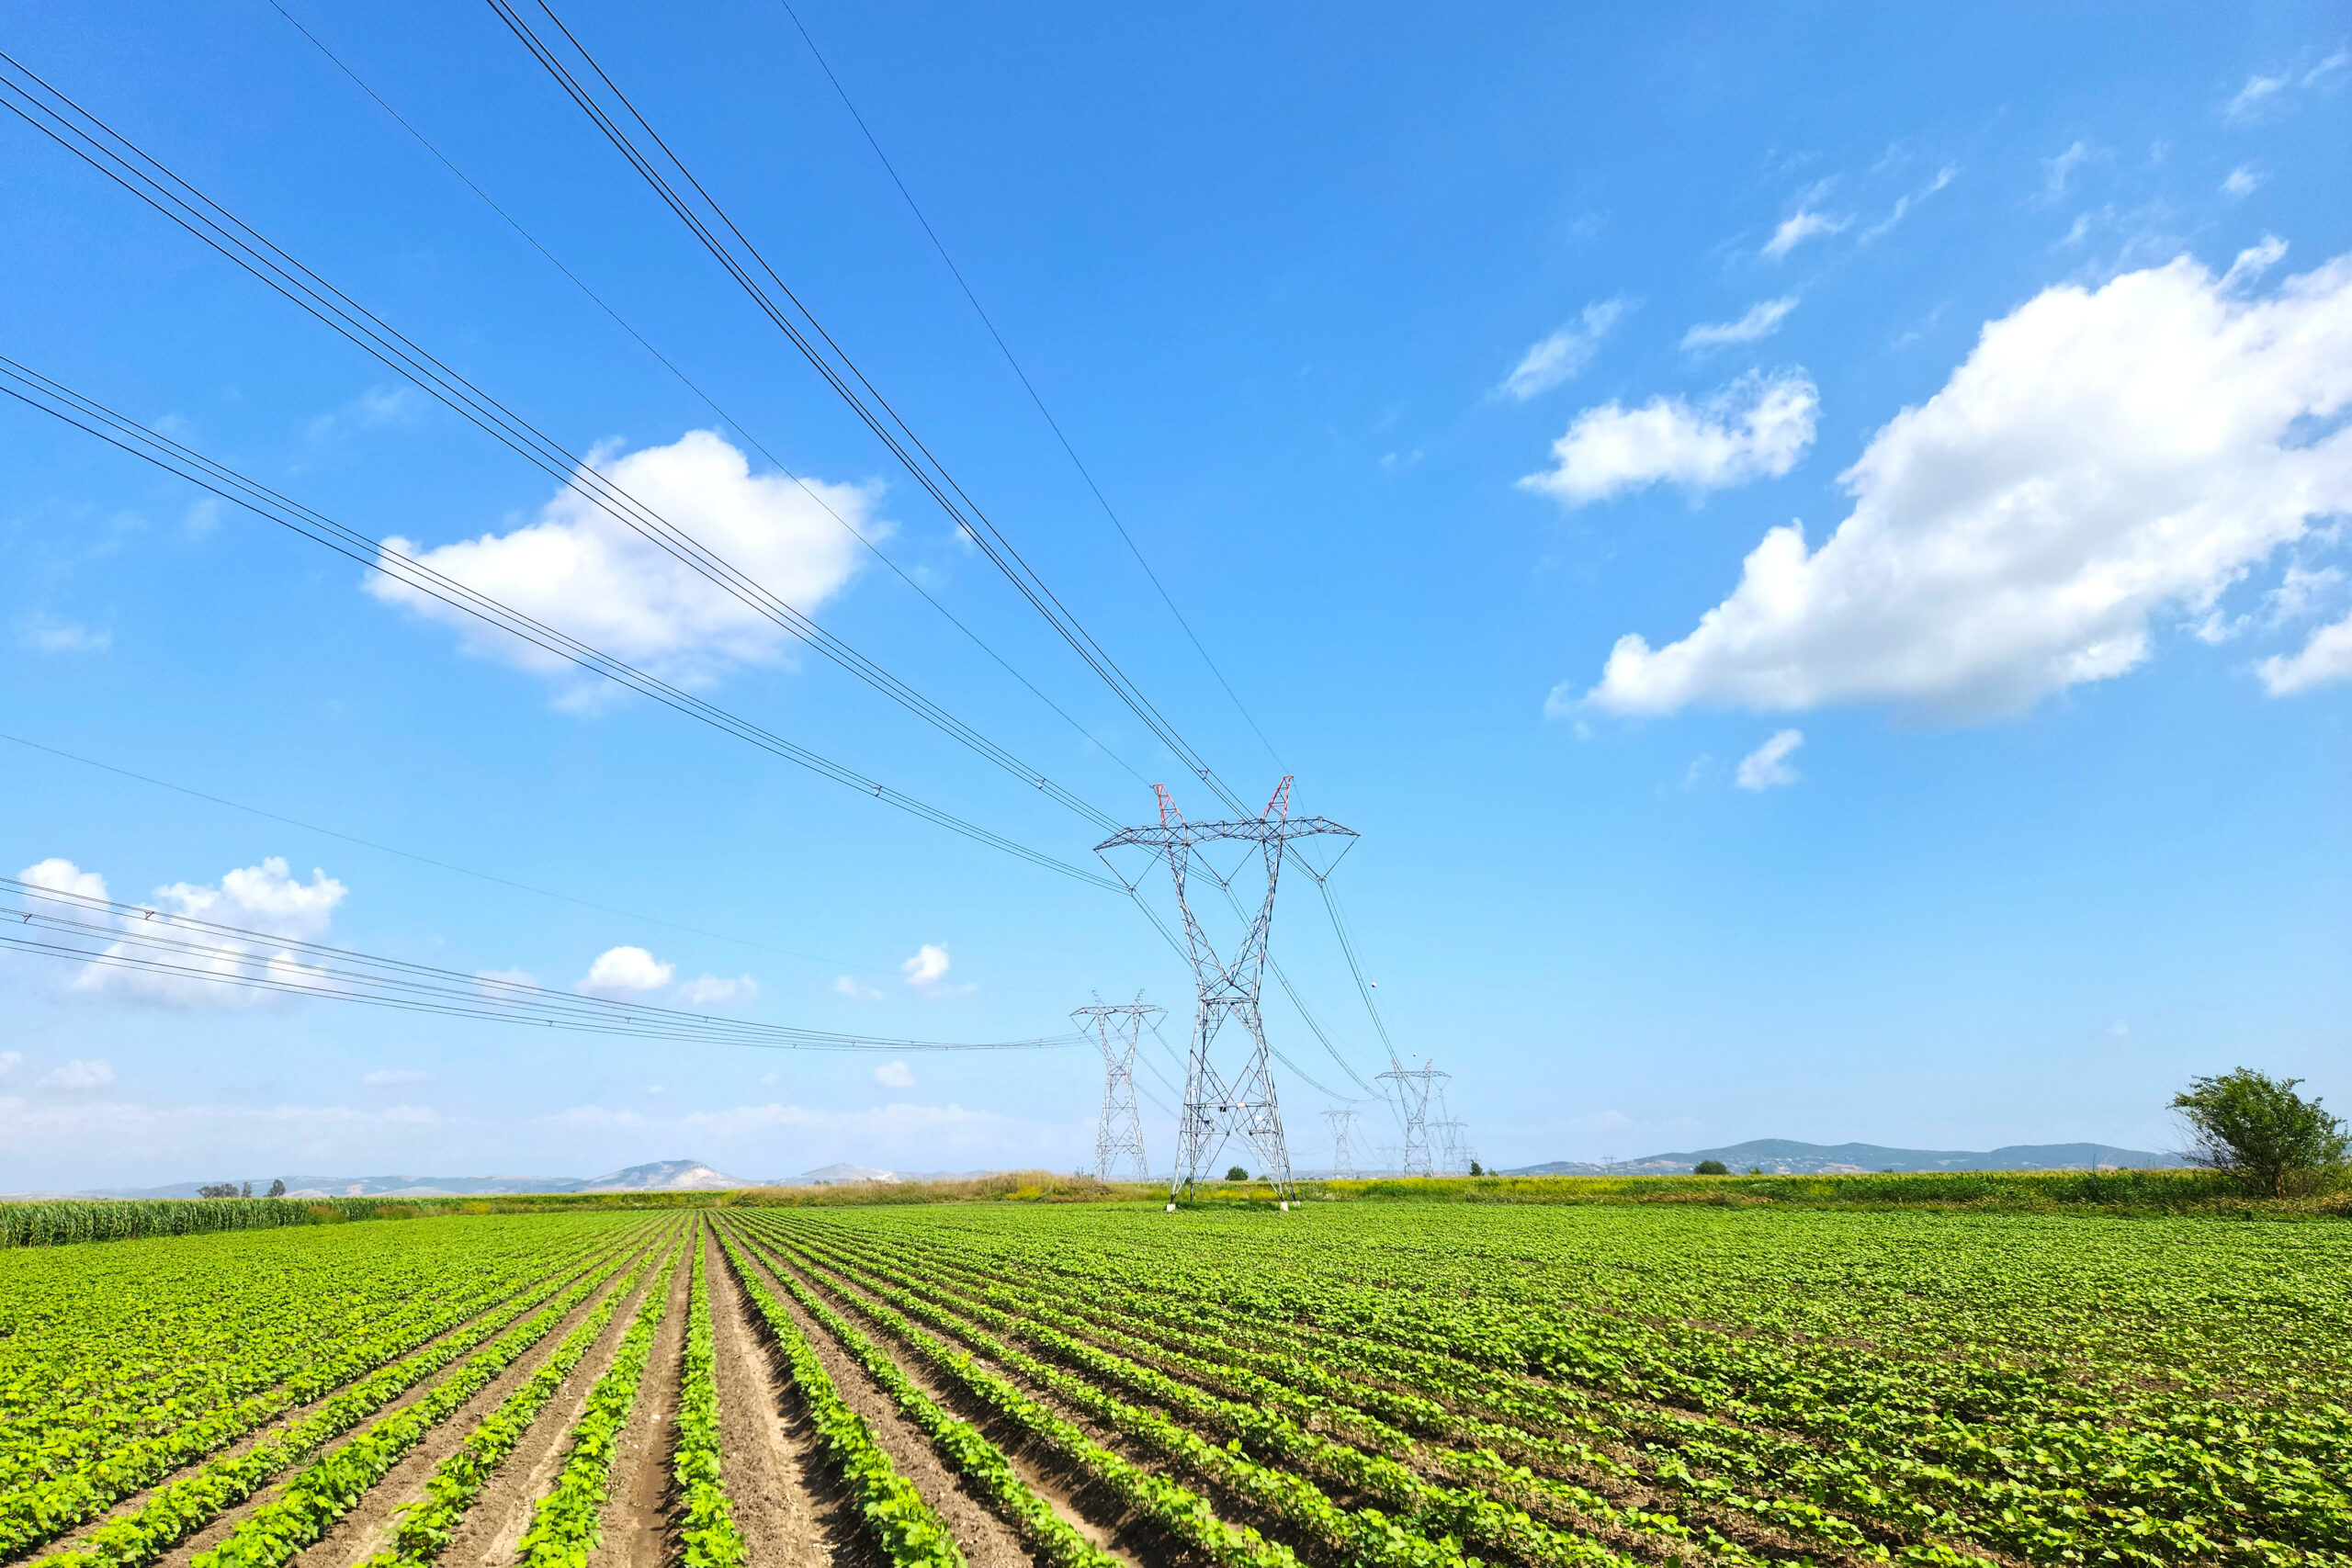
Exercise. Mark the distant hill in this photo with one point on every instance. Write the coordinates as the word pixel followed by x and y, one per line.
pixel 1785 1156
pixel 662 1176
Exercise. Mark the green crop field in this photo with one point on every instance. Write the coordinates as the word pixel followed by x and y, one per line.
pixel 1350 1383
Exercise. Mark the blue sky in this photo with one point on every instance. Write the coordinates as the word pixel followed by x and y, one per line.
pixel 1950 405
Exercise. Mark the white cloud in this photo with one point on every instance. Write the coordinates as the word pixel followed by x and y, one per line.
pixel 581 571
pixel 847 986
pixel 621 971
pixel 495 981
pixel 2302 592
pixel 1767 767
pixel 1761 322
pixel 2100 455
pixel 378 407
pixel 711 991
pixel 1558 357
pixel 1755 428
pixel 262 898
pixel 927 968
pixel 2244 181
pixel 45 633
pixel 1799 226
pixel 2254 261
pixel 895 1074
pixel 2262 93
pixel 2326 657
pixel 1904 204
pixel 78 1076
pixel 386 1078
pixel 2058 173
pixel 9 1061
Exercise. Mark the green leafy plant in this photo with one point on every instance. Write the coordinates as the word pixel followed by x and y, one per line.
pixel 2259 1129
pixel 1710 1167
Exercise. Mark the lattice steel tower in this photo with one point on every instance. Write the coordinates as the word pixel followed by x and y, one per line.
pixel 1343 1157
pixel 1118 1029
pixel 1218 1106
pixel 1414 1086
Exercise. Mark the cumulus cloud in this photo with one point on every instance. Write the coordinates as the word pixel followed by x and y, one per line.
pixel 626 971
pixel 1761 322
pixel 45 633
pixel 2243 181
pixel 1755 428
pixel 264 899
pixel 1558 357
pixel 2101 455
pixel 712 991
pixel 592 578
pixel 1767 767
pixel 927 968
pixel 895 1074
pixel 387 1078
pixel 2326 657
pixel 78 1076
pixel 1802 225
pixel 2263 92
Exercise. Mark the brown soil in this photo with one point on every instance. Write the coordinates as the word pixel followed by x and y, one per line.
pixel 493 1528
pixel 986 1541
pixel 790 1511
pixel 368 1528
pixel 636 1503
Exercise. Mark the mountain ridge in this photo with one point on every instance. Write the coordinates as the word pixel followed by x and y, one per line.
pixel 1786 1157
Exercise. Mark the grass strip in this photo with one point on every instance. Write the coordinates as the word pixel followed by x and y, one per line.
pixel 185 1506
pixel 910 1533
pixel 708 1534
pixel 979 1462
pixel 568 1521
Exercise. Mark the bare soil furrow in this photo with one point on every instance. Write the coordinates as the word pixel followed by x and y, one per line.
pixel 637 1506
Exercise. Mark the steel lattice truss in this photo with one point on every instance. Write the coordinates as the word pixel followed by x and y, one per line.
pixel 1343 1159
pixel 1220 1104
pixel 1118 1029
pixel 1414 1087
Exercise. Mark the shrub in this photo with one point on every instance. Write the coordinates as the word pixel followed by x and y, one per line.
pixel 1710 1167
pixel 1237 1174
pixel 2256 1128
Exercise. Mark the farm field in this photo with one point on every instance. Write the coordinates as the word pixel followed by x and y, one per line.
pixel 1083 1384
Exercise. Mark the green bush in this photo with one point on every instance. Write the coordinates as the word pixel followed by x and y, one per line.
pixel 1710 1167
pixel 2256 1128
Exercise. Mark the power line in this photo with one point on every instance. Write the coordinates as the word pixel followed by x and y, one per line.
pixel 784 309
pixel 176 947
pixel 91 139
pixel 695 388
pixel 1027 385
pixel 60 402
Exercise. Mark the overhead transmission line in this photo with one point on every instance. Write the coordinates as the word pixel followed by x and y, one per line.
pixel 91 139
pixel 62 402
pixel 173 948
pixel 1027 385
pixel 695 388
pixel 709 223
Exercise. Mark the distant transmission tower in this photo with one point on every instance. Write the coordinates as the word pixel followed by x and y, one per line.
pixel 1414 1086
pixel 1118 1029
pixel 1343 1159
pixel 1216 1106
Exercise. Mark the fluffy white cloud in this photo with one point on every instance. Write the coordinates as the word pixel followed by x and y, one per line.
pixel 262 898
pixel 2262 93
pixel 626 971
pixel 1757 427
pixel 580 570
pixel 2243 181
pixel 712 991
pixel 78 1076
pixel 1800 226
pixel 927 968
pixel 386 1078
pixel 1761 322
pixel 45 633
pixel 2326 657
pixel 2101 455
pixel 895 1074
pixel 1558 357
pixel 1767 767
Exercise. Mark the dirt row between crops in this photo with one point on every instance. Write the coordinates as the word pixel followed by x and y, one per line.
pixel 291 1416
pixel 1087 1509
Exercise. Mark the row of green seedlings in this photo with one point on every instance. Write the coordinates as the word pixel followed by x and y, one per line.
pixel 1489 1414
pixel 184 1507
pixel 1497 1458
pixel 2042 1523
pixel 41 1513
pixel 322 1494
pixel 1154 1499
pixel 706 1532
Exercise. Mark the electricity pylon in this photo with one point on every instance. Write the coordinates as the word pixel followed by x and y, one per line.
pixel 1217 1106
pixel 1413 1088
pixel 1118 1029
pixel 1343 1159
